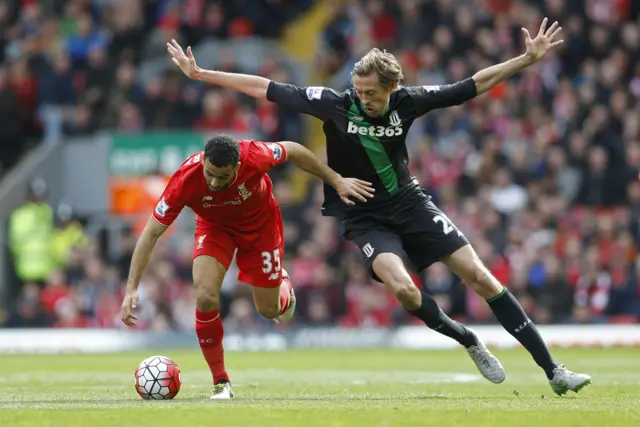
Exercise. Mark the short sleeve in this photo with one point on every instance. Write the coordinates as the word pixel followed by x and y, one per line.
pixel 170 204
pixel 427 98
pixel 317 101
pixel 267 155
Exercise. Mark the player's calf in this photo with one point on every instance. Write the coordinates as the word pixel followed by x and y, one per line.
pixel 390 268
pixel 207 277
pixel 268 310
pixel 277 303
pixel 466 264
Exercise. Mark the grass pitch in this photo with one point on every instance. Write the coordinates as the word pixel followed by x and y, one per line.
pixel 322 388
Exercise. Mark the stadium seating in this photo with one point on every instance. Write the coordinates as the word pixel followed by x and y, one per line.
pixel 541 173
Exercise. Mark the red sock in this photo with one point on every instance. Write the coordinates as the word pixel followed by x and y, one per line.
pixel 285 294
pixel 210 332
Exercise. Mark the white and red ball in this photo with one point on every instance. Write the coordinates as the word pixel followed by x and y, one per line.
pixel 158 378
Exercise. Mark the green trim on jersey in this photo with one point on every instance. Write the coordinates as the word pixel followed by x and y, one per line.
pixel 376 152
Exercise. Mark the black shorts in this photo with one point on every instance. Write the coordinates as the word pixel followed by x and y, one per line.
pixel 412 228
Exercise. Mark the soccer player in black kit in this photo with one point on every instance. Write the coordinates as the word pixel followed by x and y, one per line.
pixel 365 130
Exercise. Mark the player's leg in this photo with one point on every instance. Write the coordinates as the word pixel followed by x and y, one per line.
pixel 467 265
pixel 391 269
pixel 424 243
pixel 277 303
pixel 259 260
pixel 262 269
pixel 386 258
pixel 211 258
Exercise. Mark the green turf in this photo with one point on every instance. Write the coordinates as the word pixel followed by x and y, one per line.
pixel 322 388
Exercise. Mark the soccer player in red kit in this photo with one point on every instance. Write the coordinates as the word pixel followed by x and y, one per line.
pixel 228 188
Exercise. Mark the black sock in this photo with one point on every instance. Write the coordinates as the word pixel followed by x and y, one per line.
pixel 512 317
pixel 436 319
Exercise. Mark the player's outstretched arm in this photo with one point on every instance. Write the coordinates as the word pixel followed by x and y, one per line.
pixel 141 255
pixel 536 49
pixel 303 158
pixel 254 86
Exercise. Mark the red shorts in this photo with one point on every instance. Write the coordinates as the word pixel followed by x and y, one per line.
pixel 260 250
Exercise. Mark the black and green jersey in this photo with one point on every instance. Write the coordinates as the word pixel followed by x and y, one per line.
pixel 369 148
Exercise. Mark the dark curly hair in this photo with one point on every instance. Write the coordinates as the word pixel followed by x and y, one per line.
pixel 222 150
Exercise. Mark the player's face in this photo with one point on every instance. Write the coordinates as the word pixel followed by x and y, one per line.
pixel 219 178
pixel 373 95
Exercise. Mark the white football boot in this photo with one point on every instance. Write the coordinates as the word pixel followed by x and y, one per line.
pixel 288 313
pixel 564 380
pixel 488 365
pixel 222 391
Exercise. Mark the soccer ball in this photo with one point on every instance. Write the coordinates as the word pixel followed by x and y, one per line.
pixel 158 378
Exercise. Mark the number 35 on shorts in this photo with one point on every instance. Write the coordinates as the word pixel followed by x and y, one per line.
pixel 271 261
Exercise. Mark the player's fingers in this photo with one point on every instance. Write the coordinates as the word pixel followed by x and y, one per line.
pixel 347 201
pixel 175 61
pixel 171 49
pixel 555 33
pixel 551 29
pixel 358 196
pixel 364 192
pixel 559 42
pixel 189 53
pixel 366 187
pixel 527 36
pixel 361 182
pixel 543 26
pixel 176 45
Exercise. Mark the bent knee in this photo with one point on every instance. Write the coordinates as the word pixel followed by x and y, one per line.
pixel 207 298
pixel 396 278
pixel 482 281
pixel 404 290
pixel 408 295
pixel 269 311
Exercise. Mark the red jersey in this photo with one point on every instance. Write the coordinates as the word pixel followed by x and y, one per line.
pixel 240 205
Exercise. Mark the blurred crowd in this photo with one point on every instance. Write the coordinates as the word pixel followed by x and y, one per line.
pixel 70 68
pixel 541 173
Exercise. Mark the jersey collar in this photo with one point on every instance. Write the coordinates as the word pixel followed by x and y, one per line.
pixel 364 111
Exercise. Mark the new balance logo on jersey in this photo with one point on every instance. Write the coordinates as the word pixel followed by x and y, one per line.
pixel 274 276
pixel 207 198
pixel 368 250
pixel 377 131
pixel 201 241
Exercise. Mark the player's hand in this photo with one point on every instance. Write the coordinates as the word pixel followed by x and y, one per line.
pixel 545 40
pixel 356 188
pixel 128 307
pixel 186 62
